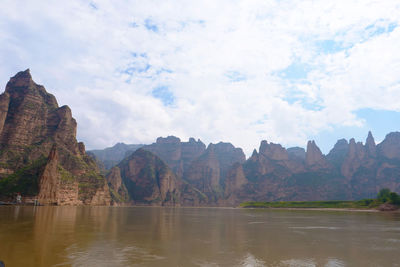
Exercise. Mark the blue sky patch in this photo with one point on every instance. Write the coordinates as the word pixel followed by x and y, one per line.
pixel 329 46
pixel 296 71
pixel 150 25
pixel 93 6
pixel 164 94
pixel 375 29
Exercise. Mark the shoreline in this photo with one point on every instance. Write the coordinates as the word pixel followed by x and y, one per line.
pixel 215 207
pixel 370 210
pixel 320 209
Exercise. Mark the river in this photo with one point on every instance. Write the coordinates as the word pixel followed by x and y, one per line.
pixel 153 236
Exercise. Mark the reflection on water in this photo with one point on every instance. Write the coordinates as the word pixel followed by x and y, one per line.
pixel 139 236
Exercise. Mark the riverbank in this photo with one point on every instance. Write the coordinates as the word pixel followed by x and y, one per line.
pixel 323 209
pixel 365 205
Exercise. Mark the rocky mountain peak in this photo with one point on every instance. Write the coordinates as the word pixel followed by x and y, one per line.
pixel 21 79
pixel 338 152
pixel 273 151
pixel 254 154
pixel 168 140
pixel 33 127
pixel 390 146
pixel 340 148
pixel 313 154
pixel 226 153
pixel 263 146
pixel 356 150
pixel 370 145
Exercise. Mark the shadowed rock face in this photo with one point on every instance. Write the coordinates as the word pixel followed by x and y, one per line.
pixel 150 181
pixel 33 129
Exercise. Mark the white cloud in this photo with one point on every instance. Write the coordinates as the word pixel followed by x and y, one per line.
pixel 101 59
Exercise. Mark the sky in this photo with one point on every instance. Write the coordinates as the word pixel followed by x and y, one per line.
pixel 227 70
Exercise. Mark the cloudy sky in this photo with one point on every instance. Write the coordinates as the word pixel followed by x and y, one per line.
pixel 236 71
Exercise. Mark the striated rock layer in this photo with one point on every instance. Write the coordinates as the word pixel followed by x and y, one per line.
pixel 39 154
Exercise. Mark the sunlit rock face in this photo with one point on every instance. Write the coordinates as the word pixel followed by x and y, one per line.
pixel 39 147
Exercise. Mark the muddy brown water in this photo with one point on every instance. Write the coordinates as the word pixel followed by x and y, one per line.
pixel 150 236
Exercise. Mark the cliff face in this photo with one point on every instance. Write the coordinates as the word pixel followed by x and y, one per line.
pixel 39 153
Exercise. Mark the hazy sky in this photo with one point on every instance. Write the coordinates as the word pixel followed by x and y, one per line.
pixel 235 71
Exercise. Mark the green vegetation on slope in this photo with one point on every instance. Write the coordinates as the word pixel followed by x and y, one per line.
pixel 24 181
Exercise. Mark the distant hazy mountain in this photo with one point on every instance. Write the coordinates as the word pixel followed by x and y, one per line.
pixel 111 156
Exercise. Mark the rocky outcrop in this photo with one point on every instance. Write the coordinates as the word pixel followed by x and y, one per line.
pixel 111 156
pixel 39 148
pixel 49 180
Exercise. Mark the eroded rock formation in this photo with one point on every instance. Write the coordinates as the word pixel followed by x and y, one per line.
pixel 39 153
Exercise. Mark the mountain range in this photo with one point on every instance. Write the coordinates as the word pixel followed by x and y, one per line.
pixel 40 158
pixel 351 170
